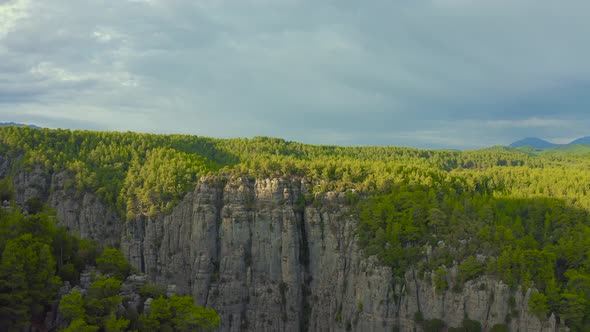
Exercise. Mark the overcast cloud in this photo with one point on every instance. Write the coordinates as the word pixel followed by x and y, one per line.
pixel 425 73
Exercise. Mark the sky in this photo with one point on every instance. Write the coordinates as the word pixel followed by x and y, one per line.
pixel 422 73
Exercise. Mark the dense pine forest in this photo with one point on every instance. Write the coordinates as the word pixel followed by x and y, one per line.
pixel 507 214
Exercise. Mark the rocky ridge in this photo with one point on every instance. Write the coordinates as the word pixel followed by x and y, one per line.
pixel 266 262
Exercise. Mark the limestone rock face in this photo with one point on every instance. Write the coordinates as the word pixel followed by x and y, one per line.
pixel 82 213
pixel 33 183
pixel 485 300
pixel 5 164
pixel 266 261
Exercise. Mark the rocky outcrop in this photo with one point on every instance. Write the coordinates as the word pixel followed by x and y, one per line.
pixel 130 293
pixel 251 250
pixel 266 261
pixel 33 183
pixel 5 165
pixel 82 213
pixel 484 300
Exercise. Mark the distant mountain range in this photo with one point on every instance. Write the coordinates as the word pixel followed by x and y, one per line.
pixel 14 124
pixel 542 144
pixel 533 142
pixel 583 140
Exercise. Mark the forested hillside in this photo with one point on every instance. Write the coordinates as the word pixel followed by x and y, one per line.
pixel 509 215
pixel 38 257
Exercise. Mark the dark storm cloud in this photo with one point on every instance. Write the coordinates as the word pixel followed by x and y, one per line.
pixel 437 73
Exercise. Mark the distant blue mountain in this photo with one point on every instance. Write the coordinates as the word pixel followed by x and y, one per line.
pixel 534 142
pixel 13 124
pixel 583 140
pixel 537 146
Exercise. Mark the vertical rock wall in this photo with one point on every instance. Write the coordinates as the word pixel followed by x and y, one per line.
pixel 266 262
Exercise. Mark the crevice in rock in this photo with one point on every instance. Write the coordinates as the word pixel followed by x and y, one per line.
pixel 489 307
pixel 215 260
pixel 417 290
pixel 398 297
pixel 141 243
pixel 304 260
pixel 244 325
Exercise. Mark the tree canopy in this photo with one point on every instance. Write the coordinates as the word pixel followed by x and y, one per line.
pixel 518 217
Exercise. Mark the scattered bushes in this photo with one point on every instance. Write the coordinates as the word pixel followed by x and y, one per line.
pixel 471 325
pixel 433 325
pixel 112 261
pixel 500 328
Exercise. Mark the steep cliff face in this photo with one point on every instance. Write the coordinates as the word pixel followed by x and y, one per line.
pixel 83 214
pixel 267 262
pixel 485 300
